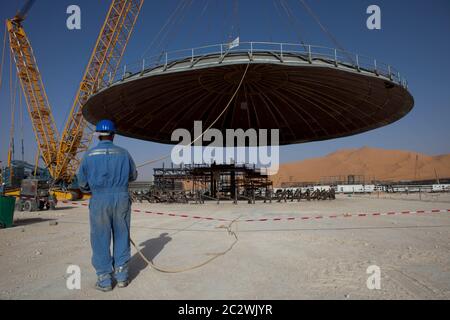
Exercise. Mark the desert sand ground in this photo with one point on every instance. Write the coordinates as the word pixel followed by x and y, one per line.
pixel 289 259
pixel 372 163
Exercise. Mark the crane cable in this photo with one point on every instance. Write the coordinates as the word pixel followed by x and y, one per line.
pixel 22 135
pixel 3 58
pixel 167 37
pixel 293 21
pixel 174 32
pixel 162 29
pixel 159 38
pixel 214 256
pixel 192 28
pixel 311 12
pixel 212 124
pixel 12 95
pixel 223 22
pixel 235 21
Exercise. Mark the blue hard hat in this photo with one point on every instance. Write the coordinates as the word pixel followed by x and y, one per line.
pixel 106 126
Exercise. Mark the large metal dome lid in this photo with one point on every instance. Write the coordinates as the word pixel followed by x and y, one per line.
pixel 309 93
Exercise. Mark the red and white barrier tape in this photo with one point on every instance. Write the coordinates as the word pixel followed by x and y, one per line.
pixel 302 218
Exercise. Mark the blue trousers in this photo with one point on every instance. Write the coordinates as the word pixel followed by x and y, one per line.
pixel 110 216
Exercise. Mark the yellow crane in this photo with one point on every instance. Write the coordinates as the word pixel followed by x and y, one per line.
pixel 33 89
pixel 103 65
pixel 62 156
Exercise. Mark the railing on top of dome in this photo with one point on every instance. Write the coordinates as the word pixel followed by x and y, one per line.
pixel 308 53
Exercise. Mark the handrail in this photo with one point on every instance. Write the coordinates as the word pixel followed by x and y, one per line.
pixel 310 52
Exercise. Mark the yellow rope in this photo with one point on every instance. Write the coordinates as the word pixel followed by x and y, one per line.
pixel 212 124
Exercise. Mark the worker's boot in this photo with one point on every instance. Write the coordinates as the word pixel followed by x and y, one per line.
pixel 121 275
pixel 104 283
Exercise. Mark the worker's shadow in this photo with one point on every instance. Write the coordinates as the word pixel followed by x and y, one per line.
pixel 151 249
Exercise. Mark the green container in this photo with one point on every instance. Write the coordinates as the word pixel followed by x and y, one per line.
pixel 7 206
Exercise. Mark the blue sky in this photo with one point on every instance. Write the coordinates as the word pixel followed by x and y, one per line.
pixel 414 38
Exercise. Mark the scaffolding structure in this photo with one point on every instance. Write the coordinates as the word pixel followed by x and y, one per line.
pixel 215 182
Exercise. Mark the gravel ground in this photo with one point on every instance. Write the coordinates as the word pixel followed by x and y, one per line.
pixel 323 258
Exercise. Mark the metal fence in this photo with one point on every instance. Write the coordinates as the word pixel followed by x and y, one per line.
pixel 310 53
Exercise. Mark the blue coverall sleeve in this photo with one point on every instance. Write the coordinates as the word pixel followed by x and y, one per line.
pixel 133 171
pixel 82 177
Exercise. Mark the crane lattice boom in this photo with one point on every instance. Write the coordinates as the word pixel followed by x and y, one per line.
pixel 36 98
pixel 103 65
pixel 62 157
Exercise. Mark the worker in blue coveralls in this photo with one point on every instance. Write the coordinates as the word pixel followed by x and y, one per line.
pixel 106 171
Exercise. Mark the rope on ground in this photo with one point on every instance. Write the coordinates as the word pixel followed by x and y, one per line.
pixel 214 256
pixel 212 124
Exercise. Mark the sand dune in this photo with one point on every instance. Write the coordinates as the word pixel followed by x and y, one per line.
pixel 379 164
